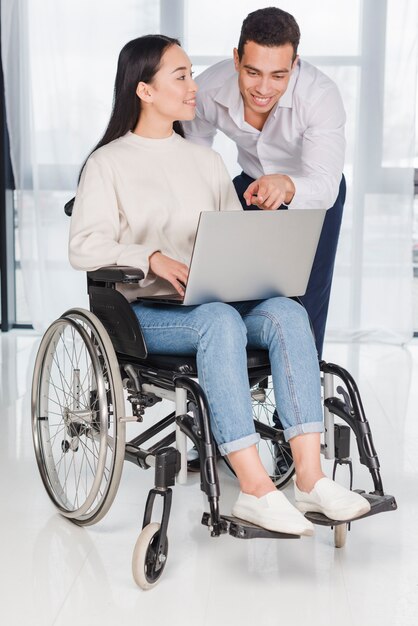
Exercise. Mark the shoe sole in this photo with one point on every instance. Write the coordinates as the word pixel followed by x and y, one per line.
pixel 272 524
pixel 339 516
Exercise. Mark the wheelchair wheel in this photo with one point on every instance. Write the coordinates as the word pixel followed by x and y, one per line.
pixel 77 403
pixel 145 558
pixel 276 455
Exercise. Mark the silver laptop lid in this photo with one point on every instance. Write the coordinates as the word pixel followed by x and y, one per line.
pixel 252 255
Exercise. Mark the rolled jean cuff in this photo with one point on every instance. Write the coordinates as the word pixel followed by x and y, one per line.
pixel 238 444
pixel 302 429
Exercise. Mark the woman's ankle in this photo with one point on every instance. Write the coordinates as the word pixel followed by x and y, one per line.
pixel 252 476
pixel 306 483
pixel 258 490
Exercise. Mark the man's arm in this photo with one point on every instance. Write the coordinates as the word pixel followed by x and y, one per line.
pixel 321 166
pixel 323 149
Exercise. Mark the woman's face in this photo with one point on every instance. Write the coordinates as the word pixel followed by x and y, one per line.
pixel 173 89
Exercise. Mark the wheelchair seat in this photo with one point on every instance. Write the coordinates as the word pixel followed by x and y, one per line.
pixel 186 364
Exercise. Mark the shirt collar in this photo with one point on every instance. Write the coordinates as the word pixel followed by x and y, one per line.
pixel 229 95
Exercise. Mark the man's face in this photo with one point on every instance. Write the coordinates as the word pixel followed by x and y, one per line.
pixel 263 75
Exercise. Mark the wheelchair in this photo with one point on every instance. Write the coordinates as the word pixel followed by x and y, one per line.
pixel 92 366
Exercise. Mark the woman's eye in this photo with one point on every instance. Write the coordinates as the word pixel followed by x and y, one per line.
pixel 181 77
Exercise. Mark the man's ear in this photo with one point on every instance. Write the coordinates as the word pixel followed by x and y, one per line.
pixel 143 92
pixel 295 62
pixel 236 59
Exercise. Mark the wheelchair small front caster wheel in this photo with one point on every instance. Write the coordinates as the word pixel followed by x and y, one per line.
pixel 340 535
pixel 147 565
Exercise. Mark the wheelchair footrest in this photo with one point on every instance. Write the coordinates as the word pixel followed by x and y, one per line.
pixel 245 530
pixel 378 504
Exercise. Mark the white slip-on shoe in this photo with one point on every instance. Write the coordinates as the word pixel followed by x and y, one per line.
pixel 273 512
pixel 331 499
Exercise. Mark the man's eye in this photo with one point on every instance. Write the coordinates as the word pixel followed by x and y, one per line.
pixel 252 73
pixel 278 77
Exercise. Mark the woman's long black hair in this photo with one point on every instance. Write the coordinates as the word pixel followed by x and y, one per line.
pixel 139 61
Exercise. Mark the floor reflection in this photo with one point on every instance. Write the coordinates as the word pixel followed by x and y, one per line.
pixel 63 552
pixel 54 573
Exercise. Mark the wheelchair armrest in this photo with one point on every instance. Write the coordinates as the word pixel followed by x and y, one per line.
pixel 116 274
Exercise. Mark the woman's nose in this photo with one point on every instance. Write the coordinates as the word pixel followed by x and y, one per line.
pixel 193 86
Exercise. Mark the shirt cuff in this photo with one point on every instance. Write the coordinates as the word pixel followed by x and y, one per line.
pixel 308 196
pixel 135 255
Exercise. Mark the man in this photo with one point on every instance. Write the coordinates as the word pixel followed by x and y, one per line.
pixel 287 120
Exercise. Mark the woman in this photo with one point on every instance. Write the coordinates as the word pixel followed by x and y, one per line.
pixel 140 195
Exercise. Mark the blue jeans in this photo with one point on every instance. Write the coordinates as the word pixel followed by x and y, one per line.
pixel 316 298
pixel 218 334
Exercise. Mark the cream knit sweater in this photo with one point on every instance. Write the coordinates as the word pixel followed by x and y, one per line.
pixel 139 195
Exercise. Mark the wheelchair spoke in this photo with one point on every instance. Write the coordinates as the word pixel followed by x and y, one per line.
pixel 56 389
pixel 54 413
pixel 71 358
pixel 67 472
pixel 274 452
pixel 51 440
pixel 63 457
pixel 93 456
pixel 76 483
pixel 67 395
pixel 82 384
pixel 62 377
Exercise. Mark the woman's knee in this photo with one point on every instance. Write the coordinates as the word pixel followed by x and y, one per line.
pixel 222 321
pixel 286 317
pixel 281 308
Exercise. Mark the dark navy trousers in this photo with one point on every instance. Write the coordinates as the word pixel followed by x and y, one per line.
pixel 316 298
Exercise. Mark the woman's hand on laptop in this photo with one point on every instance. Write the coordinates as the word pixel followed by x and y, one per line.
pixel 165 267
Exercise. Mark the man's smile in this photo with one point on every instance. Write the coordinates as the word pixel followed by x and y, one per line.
pixel 261 100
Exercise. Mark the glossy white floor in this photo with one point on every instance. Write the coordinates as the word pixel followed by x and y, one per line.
pixel 53 572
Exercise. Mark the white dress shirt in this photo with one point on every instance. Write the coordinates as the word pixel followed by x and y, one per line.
pixel 302 137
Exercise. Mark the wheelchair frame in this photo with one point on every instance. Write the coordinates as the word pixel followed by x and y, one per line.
pixel 118 356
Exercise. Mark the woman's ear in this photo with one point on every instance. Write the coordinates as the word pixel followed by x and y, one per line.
pixel 143 92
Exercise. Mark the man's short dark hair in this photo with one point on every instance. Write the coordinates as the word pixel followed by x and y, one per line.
pixel 269 27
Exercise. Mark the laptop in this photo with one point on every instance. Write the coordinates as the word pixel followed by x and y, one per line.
pixel 250 255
